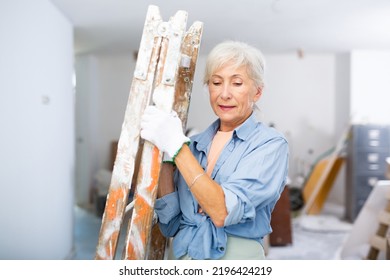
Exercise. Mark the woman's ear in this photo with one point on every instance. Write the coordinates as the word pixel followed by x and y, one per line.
pixel 258 94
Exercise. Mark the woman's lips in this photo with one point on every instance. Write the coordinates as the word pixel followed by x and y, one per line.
pixel 225 107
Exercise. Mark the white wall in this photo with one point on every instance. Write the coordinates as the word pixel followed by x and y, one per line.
pixel 37 128
pixel 102 90
pixel 299 99
pixel 115 76
pixel 342 118
pixel 370 86
pixel 200 114
pixel 86 126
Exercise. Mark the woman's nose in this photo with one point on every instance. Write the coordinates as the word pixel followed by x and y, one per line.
pixel 225 92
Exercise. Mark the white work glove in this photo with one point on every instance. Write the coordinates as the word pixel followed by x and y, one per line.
pixel 164 130
pixel 167 159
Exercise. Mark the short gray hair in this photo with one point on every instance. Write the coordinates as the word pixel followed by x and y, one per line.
pixel 241 54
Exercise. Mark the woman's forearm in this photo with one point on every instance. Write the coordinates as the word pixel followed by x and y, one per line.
pixel 165 183
pixel 207 192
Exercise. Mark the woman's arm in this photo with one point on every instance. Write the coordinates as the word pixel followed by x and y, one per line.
pixel 165 183
pixel 167 205
pixel 206 191
pixel 165 131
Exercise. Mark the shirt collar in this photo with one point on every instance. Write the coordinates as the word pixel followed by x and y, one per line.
pixel 245 129
pixel 203 140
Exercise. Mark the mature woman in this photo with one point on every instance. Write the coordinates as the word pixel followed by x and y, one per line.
pixel 218 189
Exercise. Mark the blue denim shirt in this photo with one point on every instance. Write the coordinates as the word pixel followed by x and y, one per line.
pixel 252 170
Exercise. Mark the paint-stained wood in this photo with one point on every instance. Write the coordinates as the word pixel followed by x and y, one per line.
pixel 157 245
pixel 378 241
pixel 129 142
pixel 190 52
pixel 183 90
pixel 139 230
pixel 161 76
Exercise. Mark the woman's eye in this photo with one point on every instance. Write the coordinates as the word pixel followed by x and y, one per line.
pixel 216 83
pixel 237 84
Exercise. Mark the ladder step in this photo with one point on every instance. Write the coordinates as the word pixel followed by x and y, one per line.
pixel 384 217
pixel 378 242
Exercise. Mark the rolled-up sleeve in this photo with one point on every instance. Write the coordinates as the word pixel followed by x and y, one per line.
pixel 167 207
pixel 258 181
pixel 236 209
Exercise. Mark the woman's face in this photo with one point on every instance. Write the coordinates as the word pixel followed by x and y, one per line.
pixel 232 95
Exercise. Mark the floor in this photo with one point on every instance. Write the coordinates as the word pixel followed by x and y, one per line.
pixel 314 238
pixel 86 233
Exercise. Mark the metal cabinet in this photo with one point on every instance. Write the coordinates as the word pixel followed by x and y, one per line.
pixel 367 150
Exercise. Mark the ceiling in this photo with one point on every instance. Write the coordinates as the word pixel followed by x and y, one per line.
pixel 271 25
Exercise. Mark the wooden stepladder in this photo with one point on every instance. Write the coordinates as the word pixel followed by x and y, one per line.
pixel 164 76
pixel 380 242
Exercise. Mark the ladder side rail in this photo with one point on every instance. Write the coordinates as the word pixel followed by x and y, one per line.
pixel 189 55
pixel 128 144
pixel 140 227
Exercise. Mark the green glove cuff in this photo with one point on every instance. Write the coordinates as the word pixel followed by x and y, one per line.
pixel 169 161
pixel 178 151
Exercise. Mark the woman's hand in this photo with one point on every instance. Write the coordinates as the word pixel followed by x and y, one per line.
pixel 164 130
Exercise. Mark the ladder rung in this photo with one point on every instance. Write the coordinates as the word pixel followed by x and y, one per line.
pixel 384 217
pixel 378 242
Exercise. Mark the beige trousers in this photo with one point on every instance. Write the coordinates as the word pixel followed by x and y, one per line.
pixel 237 248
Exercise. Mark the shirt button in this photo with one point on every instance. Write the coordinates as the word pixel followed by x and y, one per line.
pixel 222 249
